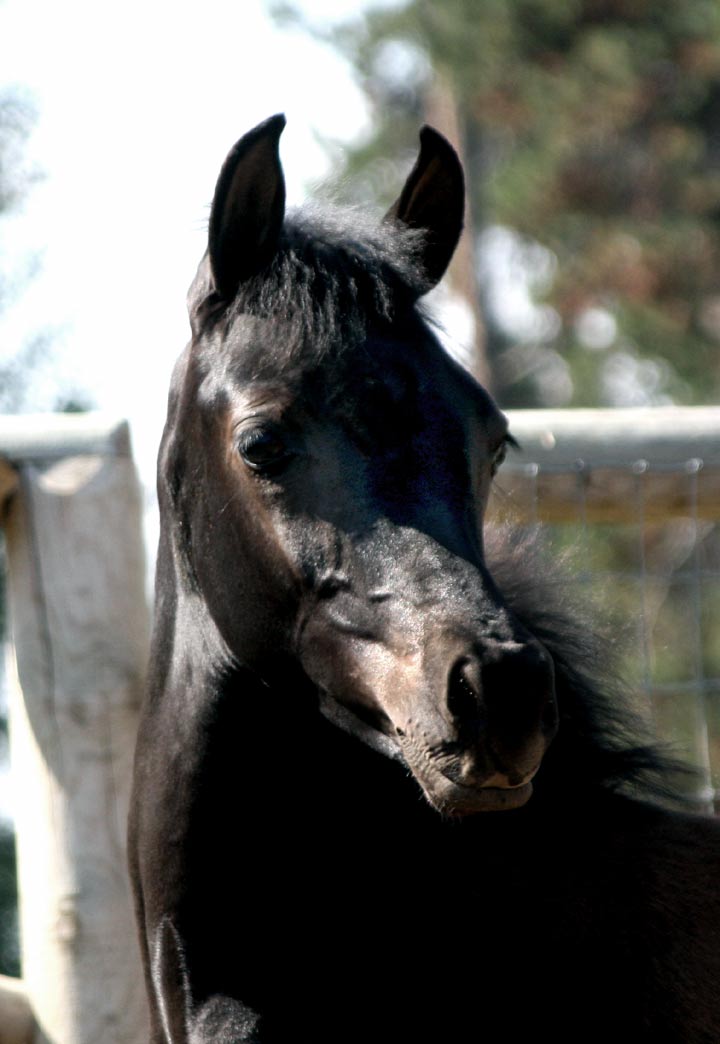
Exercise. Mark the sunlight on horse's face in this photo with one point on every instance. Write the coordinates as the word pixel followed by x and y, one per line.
pixel 361 488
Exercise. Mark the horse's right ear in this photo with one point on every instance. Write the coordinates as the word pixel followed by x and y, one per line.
pixel 433 201
pixel 248 208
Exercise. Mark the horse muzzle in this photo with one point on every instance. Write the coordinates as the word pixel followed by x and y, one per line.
pixel 480 750
pixel 471 718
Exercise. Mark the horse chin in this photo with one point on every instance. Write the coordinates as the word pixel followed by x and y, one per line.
pixel 449 798
pixel 455 801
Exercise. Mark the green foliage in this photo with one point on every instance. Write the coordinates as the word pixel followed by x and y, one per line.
pixel 592 127
pixel 9 949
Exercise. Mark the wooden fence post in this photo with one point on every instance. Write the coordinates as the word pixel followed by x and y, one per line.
pixel 79 625
pixel 17 1025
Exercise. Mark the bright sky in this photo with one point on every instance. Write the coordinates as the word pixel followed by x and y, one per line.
pixel 138 104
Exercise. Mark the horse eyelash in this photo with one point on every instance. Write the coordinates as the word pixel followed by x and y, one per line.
pixel 508 440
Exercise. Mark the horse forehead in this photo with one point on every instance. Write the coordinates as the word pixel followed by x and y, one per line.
pixel 255 348
pixel 258 362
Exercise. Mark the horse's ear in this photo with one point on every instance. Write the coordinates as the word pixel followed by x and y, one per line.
pixel 433 200
pixel 248 208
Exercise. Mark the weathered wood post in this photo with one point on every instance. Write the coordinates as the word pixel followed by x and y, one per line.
pixel 17 1025
pixel 79 628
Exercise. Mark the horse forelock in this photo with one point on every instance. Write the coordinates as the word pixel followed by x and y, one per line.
pixel 335 277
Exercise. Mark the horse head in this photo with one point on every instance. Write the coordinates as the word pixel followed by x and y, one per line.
pixel 325 473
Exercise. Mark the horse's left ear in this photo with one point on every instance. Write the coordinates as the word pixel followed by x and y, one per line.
pixel 248 208
pixel 433 200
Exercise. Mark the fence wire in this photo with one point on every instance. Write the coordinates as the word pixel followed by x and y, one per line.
pixel 657 580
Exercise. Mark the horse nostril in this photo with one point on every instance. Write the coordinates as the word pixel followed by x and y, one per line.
pixel 518 683
pixel 463 696
pixel 331 583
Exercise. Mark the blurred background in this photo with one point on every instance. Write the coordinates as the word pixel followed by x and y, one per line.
pixel 590 133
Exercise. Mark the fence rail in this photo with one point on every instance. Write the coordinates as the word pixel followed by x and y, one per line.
pixel 613 464
pixel 639 492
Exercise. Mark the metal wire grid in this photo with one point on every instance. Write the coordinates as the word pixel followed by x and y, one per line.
pixel 684 701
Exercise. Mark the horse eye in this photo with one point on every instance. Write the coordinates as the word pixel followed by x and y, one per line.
pixel 501 452
pixel 264 449
pixel 498 458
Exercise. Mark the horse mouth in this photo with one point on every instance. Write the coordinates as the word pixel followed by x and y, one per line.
pixel 447 796
pixel 453 798
pixel 456 801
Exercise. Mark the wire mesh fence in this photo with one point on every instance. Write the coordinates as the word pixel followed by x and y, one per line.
pixel 636 495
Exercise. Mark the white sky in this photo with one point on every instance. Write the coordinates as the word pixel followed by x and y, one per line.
pixel 138 104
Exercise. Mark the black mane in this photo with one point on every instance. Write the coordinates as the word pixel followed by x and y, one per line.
pixel 603 741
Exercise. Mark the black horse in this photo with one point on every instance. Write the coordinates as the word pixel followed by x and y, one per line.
pixel 383 790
